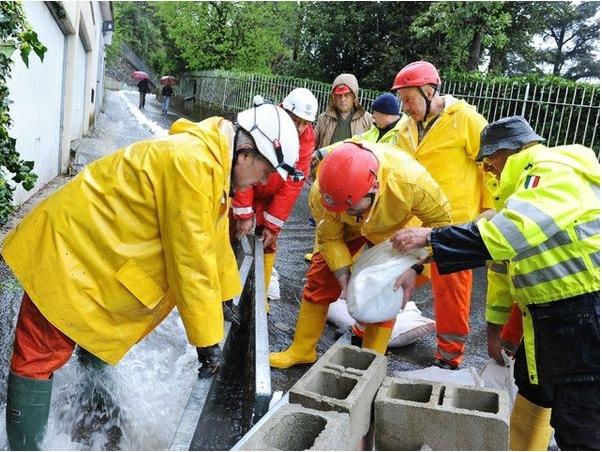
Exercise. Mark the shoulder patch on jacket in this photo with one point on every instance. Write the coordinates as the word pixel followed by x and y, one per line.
pixel 531 181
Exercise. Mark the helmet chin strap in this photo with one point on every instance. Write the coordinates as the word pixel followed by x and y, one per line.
pixel 426 100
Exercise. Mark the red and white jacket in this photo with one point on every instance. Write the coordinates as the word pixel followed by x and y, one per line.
pixel 272 203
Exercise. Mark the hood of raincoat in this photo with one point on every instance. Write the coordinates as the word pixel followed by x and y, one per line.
pixel 219 144
pixel 351 82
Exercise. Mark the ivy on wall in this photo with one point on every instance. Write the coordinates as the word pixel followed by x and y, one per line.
pixel 15 34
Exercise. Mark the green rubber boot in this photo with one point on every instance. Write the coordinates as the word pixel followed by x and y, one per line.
pixel 27 407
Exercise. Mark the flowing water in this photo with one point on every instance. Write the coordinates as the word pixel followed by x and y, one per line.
pixel 135 405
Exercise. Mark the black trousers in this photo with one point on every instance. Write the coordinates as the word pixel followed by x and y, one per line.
pixel 567 353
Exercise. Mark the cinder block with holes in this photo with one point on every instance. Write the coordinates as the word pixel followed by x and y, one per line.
pixel 411 413
pixel 294 427
pixel 345 379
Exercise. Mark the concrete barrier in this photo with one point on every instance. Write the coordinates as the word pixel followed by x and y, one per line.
pixel 412 414
pixel 344 379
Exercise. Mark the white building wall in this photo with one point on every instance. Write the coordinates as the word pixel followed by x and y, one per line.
pixel 36 93
pixel 53 101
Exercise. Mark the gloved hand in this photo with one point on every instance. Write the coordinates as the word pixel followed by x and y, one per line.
pixel 210 359
pixel 231 313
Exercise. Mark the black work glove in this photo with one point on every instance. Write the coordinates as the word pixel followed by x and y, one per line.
pixel 210 359
pixel 231 313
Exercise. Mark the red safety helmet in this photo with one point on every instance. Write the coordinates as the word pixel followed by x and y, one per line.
pixel 417 74
pixel 346 176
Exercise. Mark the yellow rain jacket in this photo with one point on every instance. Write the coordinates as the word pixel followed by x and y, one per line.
pixel 136 233
pixel 405 190
pixel 448 152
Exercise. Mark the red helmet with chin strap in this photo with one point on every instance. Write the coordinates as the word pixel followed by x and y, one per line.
pixel 418 73
pixel 415 75
pixel 346 176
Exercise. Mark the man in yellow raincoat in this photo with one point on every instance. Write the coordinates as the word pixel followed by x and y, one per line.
pixel 442 133
pixel 107 257
pixel 365 192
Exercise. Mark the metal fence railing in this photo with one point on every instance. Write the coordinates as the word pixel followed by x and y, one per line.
pixel 562 115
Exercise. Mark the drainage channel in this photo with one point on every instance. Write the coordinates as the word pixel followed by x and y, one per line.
pixel 222 409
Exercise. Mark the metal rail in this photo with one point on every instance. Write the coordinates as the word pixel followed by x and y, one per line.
pixel 204 419
pixel 561 114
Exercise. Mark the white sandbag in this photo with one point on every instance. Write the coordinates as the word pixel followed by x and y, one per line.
pixel 465 376
pixel 500 377
pixel 409 324
pixel 339 315
pixel 371 297
pixel 274 288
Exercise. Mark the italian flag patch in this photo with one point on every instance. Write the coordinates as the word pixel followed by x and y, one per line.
pixel 532 181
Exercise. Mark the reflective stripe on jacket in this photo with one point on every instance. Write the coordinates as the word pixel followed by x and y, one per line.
pixel 405 190
pixel 136 233
pixel 448 152
pixel 547 227
pixel 499 300
pixel 278 196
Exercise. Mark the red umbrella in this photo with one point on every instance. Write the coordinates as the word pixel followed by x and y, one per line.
pixel 169 80
pixel 140 75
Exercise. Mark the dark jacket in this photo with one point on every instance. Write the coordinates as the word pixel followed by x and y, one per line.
pixel 143 86
pixel 167 91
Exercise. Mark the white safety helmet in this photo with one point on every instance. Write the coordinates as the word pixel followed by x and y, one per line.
pixel 301 102
pixel 274 134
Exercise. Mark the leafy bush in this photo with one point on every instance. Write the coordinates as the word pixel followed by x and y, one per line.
pixel 15 34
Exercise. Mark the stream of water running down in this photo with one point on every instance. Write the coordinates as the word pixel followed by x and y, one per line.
pixel 147 393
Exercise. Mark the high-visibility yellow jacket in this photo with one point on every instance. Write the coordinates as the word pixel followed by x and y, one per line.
pixel 498 299
pixel 136 233
pixel 547 229
pixel 448 152
pixel 390 136
pixel 405 190
pixel 370 135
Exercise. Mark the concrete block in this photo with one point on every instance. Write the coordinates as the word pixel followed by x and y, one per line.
pixel 294 427
pixel 411 413
pixel 345 379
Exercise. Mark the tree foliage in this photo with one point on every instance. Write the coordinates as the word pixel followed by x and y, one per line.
pixel 373 40
pixel 466 27
pixel 574 35
pixel 247 36
pixel 369 39
pixel 15 34
pixel 138 25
